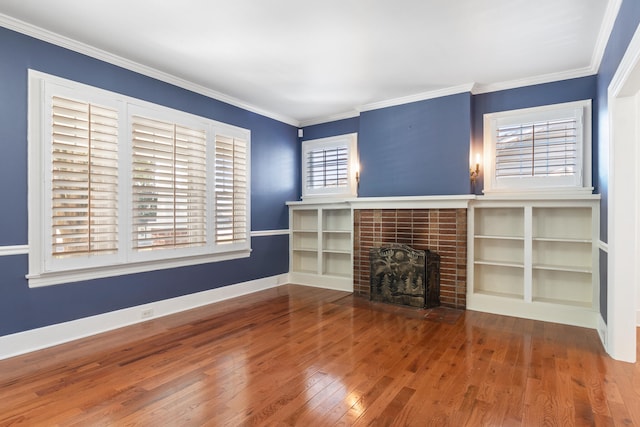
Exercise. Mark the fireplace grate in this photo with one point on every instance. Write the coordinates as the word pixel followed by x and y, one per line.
pixel 405 276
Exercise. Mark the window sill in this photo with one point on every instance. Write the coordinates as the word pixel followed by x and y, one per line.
pixel 69 276
pixel 550 192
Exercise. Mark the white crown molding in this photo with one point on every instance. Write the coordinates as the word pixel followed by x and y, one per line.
pixel 438 93
pixel 85 49
pixel 613 7
pixel 14 250
pixel 535 80
pixel 610 15
pixel 331 118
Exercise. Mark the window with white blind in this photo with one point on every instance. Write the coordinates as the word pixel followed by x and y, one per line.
pixel 542 148
pixel 231 190
pixel 330 167
pixel 169 185
pixel 84 178
pixel 119 185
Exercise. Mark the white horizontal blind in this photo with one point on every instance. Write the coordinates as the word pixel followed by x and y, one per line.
pixel 84 186
pixel 230 190
pixel 328 167
pixel 169 185
pixel 545 148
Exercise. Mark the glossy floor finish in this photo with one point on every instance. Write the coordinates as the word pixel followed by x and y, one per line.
pixel 311 357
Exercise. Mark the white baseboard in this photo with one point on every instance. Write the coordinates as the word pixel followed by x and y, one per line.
pixel 48 336
pixel 602 331
pixel 638 318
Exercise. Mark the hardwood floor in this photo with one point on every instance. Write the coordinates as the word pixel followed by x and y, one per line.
pixel 312 357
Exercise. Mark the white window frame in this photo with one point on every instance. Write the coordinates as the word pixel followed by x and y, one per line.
pixel 578 182
pixel 351 188
pixel 45 269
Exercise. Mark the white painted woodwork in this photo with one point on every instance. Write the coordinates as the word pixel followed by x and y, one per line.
pixel 535 258
pixel 321 245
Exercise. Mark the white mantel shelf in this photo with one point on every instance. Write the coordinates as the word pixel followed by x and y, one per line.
pixel 442 202
pixel 403 202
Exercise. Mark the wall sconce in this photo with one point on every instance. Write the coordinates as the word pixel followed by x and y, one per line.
pixel 358 174
pixel 473 173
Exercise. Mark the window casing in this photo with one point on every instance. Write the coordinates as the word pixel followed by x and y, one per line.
pixel 544 148
pixel 329 167
pixel 119 185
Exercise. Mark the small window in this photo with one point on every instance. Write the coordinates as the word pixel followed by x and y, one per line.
pixel 542 148
pixel 329 167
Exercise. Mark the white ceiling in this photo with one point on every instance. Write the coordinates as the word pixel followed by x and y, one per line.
pixel 305 62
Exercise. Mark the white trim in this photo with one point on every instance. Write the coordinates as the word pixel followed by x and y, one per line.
pixel 69 276
pixel 580 111
pixel 603 246
pixel 14 250
pixel 335 283
pixel 331 118
pixel 535 80
pixel 560 313
pixel 43 269
pixel 24 249
pixel 348 141
pixel 36 339
pixel 85 49
pixel 265 233
pixel 402 202
pixel 438 93
pixel 412 202
pixel 623 212
pixel 602 331
pixel 474 88
pixel 610 15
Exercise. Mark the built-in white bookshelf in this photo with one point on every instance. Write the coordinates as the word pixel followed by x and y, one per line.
pixel 535 257
pixel 322 245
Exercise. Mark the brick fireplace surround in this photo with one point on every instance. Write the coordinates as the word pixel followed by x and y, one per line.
pixel 443 231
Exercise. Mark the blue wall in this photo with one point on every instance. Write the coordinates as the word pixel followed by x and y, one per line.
pixel 532 96
pixel 416 149
pixel 625 26
pixel 422 148
pixel 274 180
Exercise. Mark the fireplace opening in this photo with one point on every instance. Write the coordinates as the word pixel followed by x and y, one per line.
pixel 405 276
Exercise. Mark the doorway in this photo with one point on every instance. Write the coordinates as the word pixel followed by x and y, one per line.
pixel 623 275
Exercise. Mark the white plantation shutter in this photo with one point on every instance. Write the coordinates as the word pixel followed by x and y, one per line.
pixel 84 180
pixel 328 167
pixel 169 185
pixel 231 214
pixel 118 185
pixel 545 148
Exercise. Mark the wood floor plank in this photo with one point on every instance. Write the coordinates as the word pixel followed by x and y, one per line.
pixel 300 356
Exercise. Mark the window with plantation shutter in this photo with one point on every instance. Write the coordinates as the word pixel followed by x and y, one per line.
pixel 169 185
pixel 84 184
pixel 330 166
pixel 120 186
pixel 230 190
pixel 545 147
